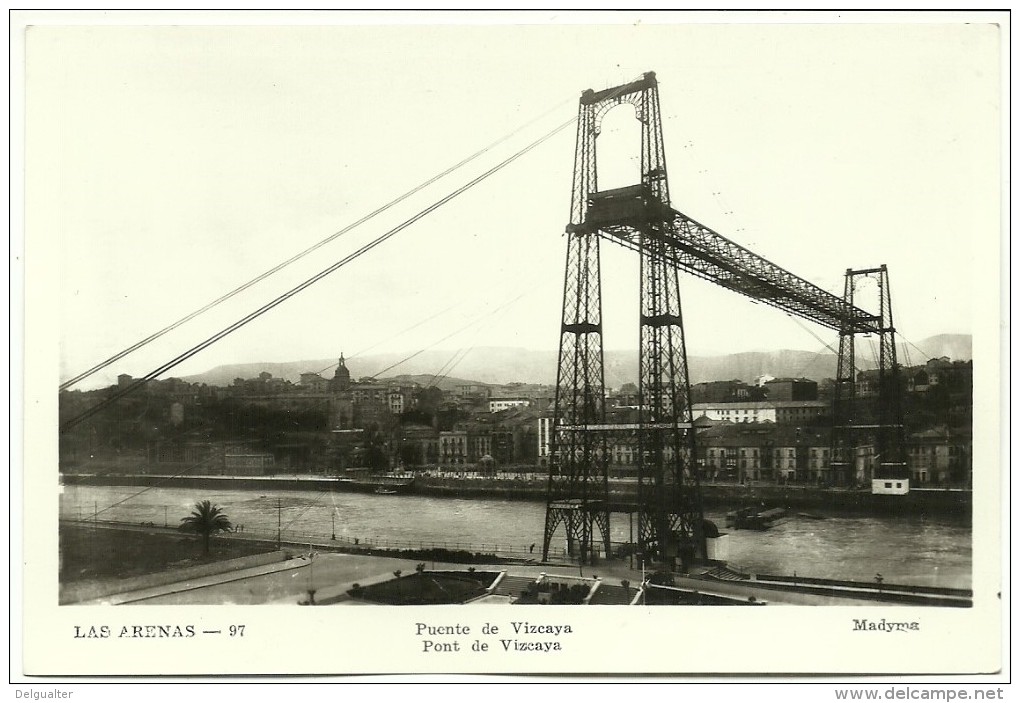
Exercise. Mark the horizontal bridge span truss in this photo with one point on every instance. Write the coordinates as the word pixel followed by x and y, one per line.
pixel 671 523
pixel 619 216
pixel 624 427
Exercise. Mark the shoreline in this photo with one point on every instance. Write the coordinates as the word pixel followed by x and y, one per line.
pixel 954 503
pixel 290 554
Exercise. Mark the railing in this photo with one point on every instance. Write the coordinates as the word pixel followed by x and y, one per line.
pixel 268 533
pixel 325 539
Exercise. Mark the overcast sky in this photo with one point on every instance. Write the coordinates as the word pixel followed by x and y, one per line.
pixel 167 165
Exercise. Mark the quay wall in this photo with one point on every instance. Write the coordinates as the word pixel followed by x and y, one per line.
pixel 934 502
pixel 730 496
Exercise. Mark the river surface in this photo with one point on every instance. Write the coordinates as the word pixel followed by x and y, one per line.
pixel 903 549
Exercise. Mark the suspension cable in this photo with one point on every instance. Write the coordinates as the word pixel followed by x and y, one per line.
pixel 461 354
pixel 157 484
pixel 924 354
pixel 824 343
pixel 240 289
pixel 481 318
pixel 393 336
pixel 310 281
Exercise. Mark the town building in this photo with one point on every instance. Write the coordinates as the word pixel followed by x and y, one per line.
pixel 761 411
pixel 500 404
pixel 720 392
pixel 788 389
pixel 744 452
pixel 248 464
pixel 466 390
pixel 313 383
pixel 939 457
pixel 545 425
pixel 453 448
pixel 802 412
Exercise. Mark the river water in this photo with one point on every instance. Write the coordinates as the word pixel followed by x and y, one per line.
pixel 903 549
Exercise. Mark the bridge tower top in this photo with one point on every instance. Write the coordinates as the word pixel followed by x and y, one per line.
pixel 587 200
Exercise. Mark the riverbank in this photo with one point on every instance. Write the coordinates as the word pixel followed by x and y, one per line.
pixel 267 575
pixel 923 502
pixel 905 548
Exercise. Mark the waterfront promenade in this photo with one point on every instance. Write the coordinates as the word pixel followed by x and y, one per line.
pixel 286 576
pixel 905 548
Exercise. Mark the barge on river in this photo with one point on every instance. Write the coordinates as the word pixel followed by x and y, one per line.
pixel 753 519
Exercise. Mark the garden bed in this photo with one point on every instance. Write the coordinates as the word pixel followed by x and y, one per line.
pixel 90 553
pixel 427 588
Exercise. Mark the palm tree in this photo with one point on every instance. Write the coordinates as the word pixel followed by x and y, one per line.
pixel 206 519
pixel 420 568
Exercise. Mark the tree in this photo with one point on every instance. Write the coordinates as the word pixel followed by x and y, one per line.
pixel 206 520
pixel 411 454
pixel 420 568
pixel 414 416
pixel 428 400
pixel 372 452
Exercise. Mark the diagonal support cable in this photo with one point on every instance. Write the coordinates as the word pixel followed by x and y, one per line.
pixel 307 283
pixel 240 289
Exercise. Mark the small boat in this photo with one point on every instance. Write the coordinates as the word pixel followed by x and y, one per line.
pixel 810 516
pixel 753 518
pixel 384 484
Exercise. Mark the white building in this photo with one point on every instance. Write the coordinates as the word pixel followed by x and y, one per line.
pixel 500 404
pixel 545 425
pixel 396 402
pixel 736 412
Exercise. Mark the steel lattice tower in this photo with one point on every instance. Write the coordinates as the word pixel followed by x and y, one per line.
pixel 670 516
pixel 578 490
pixel 854 424
pixel 639 217
pixel 844 395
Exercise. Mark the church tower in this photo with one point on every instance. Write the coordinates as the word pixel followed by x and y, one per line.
pixel 342 378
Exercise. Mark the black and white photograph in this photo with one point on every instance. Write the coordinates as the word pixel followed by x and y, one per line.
pixel 352 316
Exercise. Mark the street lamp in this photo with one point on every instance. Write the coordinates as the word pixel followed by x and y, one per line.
pixel 311 576
pixel 644 584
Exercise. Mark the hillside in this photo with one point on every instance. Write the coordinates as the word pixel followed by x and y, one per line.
pixel 499 365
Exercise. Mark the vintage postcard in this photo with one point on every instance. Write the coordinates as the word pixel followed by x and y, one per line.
pixel 657 344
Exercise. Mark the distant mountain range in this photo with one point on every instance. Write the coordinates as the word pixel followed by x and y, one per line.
pixel 501 365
